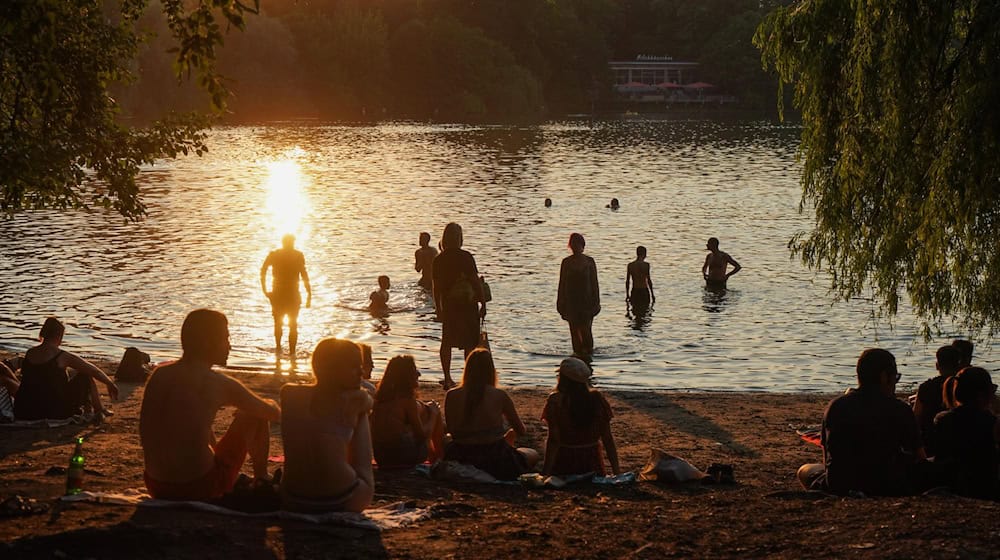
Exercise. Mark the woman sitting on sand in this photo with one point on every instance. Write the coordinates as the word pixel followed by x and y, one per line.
pixel 328 446
pixel 405 431
pixel 967 437
pixel 475 412
pixel 47 391
pixel 579 420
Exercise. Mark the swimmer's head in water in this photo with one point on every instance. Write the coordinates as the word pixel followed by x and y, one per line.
pixel 383 282
pixel 425 239
pixel 713 243
pixel 288 241
pixel 548 202
pixel 614 203
pixel 640 252
pixel 577 242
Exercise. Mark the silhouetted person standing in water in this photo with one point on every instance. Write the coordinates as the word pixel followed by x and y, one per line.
pixel 641 295
pixel 423 260
pixel 579 299
pixel 288 266
pixel 458 298
pixel 714 269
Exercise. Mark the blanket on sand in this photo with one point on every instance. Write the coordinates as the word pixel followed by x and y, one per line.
pixel 48 422
pixel 391 516
pixel 451 470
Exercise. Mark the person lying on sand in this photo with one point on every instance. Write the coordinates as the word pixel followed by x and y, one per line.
pixel 475 412
pixel 47 391
pixel 871 443
pixel 405 430
pixel 579 421
pixel 325 428
pixel 183 459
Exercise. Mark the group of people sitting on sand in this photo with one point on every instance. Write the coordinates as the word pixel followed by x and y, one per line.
pixel 875 444
pixel 333 429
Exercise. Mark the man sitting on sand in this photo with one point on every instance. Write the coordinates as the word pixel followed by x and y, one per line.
pixel 183 459
pixel 714 269
pixel 870 439
pixel 929 400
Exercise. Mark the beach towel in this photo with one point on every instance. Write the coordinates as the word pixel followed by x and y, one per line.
pixel 6 406
pixel 811 434
pixel 391 516
pixel 538 480
pixel 451 470
pixel 48 422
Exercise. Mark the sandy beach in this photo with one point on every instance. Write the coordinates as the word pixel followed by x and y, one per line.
pixel 763 515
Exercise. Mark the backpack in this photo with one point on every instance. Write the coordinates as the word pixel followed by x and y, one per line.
pixel 134 366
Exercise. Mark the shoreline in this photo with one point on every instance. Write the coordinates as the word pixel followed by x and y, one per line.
pixel 764 514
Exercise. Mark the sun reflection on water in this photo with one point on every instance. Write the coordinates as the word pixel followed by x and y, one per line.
pixel 286 200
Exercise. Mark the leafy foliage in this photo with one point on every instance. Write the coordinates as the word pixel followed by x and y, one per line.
pixel 62 144
pixel 358 59
pixel 901 108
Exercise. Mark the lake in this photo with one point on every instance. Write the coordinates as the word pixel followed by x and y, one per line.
pixel 357 197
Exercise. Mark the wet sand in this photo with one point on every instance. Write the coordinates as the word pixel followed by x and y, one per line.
pixel 763 515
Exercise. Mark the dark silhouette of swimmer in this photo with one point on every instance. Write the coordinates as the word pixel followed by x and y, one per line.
pixel 716 262
pixel 378 301
pixel 288 266
pixel 423 260
pixel 548 203
pixel 614 204
pixel 637 274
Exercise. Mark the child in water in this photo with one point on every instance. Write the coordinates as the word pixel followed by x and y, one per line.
pixel 378 301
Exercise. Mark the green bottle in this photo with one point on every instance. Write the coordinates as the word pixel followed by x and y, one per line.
pixel 74 473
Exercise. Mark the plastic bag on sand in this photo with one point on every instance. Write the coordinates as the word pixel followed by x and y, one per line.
pixel 665 467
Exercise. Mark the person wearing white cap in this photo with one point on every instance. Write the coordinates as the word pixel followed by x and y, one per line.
pixel 579 421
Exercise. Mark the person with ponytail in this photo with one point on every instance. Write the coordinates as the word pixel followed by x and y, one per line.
pixel 579 421
pixel 327 437
pixel 475 413
pixel 967 437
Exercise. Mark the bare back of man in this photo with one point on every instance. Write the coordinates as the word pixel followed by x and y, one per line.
pixel 178 410
pixel 423 260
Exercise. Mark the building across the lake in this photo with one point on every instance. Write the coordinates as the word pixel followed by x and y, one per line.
pixel 652 70
pixel 661 79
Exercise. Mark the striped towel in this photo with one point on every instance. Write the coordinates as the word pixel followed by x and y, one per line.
pixel 6 406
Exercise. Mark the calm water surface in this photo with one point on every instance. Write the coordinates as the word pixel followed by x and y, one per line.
pixel 357 197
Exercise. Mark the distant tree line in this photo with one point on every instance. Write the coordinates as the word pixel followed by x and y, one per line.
pixel 452 59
